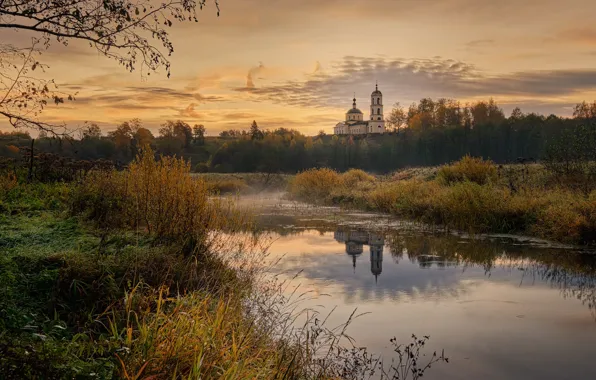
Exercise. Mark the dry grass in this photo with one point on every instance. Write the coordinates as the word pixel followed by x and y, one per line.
pixel 315 185
pixel 471 195
pixel 356 176
pixel 196 336
pixel 473 169
pixel 158 196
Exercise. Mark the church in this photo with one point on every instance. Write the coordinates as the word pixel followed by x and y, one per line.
pixel 355 124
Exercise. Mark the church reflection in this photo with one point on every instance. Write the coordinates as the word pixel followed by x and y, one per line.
pixel 355 242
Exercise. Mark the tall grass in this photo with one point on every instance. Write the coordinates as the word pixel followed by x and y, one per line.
pixel 467 195
pixel 147 277
pixel 315 184
pixel 473 169
pixel 158 196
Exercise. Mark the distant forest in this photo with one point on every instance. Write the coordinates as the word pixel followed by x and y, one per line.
pixel 428 133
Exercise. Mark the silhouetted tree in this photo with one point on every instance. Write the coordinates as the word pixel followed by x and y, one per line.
pixel 128 31
pixel 255 132
pixel 198 134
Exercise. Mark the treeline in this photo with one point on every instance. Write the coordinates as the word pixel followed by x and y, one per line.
pixel 428 133
pixel 175 138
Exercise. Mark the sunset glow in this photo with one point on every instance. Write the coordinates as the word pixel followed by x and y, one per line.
pixel 297 64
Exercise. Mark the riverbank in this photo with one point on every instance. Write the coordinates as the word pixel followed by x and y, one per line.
pixel 471 195
pixel 144 273
pixel 133 275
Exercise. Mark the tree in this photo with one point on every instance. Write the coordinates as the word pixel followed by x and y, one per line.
pixel 91 131
pixel 132 32
pixel 143 137
pixel 255 132
pixel 122 138
pixel 397 117
pixel 584 110
pixel 198 134
pixel 178 130
pixel 517 114
pixel 23 96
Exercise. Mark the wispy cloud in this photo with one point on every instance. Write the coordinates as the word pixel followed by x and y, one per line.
pixel 407 79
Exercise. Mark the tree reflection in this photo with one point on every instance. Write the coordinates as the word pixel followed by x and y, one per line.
pixel 572 272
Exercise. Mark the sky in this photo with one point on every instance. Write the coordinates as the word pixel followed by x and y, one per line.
pixel 297 64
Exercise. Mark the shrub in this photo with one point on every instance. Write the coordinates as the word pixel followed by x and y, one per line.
pixel 315 185
pixel 567 216
pixel 158 196
pixel 473 169
pixel 411 198
pixel 355 176
pixel 473 207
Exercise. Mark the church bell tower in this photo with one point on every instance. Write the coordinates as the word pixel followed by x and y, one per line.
pixel 377 119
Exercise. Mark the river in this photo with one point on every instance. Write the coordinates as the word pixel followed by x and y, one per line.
pixel 502 307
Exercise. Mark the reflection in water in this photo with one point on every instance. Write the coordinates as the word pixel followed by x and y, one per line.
pixel 494 304
pixel 573 274
pixel 355 240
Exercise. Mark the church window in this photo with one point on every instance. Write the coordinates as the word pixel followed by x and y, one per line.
pixel 379 118
pixel 378 111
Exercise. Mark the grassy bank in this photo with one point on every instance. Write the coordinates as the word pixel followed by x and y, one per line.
pixel 140 274
pixel 471 195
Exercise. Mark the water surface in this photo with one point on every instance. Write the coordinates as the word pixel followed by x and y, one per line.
pixel 501 307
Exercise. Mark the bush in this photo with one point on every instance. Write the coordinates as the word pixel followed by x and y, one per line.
pixel 315 185
pixel 473 207
pixel 158 196
pixel 411 198
pixel 355 176
pixel 567 216
pixel 473 169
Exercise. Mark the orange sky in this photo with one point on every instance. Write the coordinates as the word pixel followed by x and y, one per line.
pixel 296 64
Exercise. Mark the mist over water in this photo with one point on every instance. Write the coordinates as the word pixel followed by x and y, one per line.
pixel 501 307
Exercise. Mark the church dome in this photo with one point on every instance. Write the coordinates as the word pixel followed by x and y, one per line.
pixel 376 92
pixel 354 110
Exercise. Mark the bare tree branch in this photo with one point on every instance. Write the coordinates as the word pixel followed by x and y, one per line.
pixel 131 32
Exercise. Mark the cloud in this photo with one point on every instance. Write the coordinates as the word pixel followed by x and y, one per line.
pixel 479 44
pixel 240 115
pixel 190 112
pixel 252 72
pixel 411 79
pixel 318 67
pixel 141 98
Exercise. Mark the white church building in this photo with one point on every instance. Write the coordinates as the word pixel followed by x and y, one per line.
pixel 355 124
